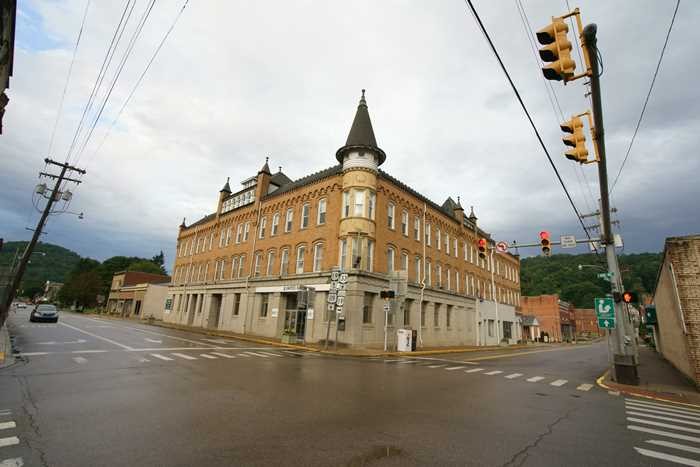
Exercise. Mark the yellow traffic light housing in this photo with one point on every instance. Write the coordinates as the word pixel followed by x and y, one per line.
pixel 557 50
pixel 577 139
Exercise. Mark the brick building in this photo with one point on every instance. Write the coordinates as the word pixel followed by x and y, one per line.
pixel 677 302
pixel 137 294
pixel 586 322
pixel 240 267
pixel 555 317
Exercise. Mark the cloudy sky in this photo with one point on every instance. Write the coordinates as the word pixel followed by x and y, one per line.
pixel 237 81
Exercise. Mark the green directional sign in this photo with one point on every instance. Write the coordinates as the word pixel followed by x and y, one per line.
pixel 605 311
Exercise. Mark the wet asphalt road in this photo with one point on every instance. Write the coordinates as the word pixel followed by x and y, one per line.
pixel 96 392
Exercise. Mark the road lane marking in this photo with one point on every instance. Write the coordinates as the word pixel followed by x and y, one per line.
pixel 669 444
pixel 403 362
pixel 585 387
pixel 210 357
pixel 6 412
pixel 257 354
pixel 659 417
pixel 185 356
pixel 641 408
pixel 162 357
pixel 80 360
pixel 270 354
pixel 244 355
pixel 144 360
pixel 437 366
pixel 669 434
pixel 89 351
pixel 474 370
pixel 559 382
pixel 672 408
pixel 222 355
pixel 32 354
pixel 7 425
pixel 294 353
pixel 452 368
pixel 514 375
pixel 663 425
pixel 495 372
pixel 97 337
pixel 14 462
pixel 535 379
pixel 155 341
pixel 9 441
pixel 667 457
pixel 79 341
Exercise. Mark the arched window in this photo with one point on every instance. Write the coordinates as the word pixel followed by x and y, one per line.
pixel 275 224
pixel 318 257
pixel 321 217
pixel 390 258
pixel 284 261
pixel 270 263
pixel 301 252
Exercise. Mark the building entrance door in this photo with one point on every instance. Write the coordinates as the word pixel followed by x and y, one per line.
pixel 295 316
pixel 214 311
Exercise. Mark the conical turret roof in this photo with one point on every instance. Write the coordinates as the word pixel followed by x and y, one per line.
pixel 361 133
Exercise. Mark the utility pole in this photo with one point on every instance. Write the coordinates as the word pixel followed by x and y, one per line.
pixel 625 358
pixel 22 266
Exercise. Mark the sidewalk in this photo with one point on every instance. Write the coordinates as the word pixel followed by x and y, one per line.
pixel 658 379
pixel 343 350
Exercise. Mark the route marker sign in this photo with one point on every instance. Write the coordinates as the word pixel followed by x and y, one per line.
pixel 605 311
pixel 567 241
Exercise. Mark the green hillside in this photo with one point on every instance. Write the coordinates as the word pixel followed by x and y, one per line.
pixel 54 264
pixel 559 274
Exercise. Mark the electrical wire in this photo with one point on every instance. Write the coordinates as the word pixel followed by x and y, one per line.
pixel 120 67
pixel 646 100
pixel 527 113
pixel 100 76
pixel 65 86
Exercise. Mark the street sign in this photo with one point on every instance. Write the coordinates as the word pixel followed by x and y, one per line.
pixel 502 247
pixel 568 241
pixel 605 312
pixel 387 307
pixel 605 276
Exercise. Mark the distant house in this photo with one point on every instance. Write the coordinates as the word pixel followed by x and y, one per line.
pixel 555 317
pixel 677 304
pixel 138 294
pixel 586 322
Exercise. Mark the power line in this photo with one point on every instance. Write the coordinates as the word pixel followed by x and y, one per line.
pixel 65 87
pixel 138 82
pixel 100 76
pixel 646 100
pixel 527 113
pixel 552 95
pixel 120 67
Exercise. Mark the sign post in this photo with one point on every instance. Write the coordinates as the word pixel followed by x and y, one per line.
pixel 386 295
pixel 332 299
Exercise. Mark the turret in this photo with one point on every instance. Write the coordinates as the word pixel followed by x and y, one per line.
pixel 458 210
pixel 263 182
pixel 223 193
pixel 360 158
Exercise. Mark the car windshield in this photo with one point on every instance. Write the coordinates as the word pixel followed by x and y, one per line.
pixel 46 308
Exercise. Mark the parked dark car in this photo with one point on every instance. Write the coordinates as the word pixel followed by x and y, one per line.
pixel 44 313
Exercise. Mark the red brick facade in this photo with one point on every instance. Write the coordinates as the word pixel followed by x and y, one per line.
pixel 586 322
pixel 556 317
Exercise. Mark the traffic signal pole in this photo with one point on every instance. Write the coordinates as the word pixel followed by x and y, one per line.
pixel 625 359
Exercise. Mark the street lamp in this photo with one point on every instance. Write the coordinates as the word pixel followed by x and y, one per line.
pixel 594 266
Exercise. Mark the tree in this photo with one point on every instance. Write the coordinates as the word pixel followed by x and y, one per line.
pixel 146 266
pixel 159 259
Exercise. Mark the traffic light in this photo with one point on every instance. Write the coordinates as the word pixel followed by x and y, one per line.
pixel 481 244
pixel 629 297
pixel 546 243
pixel 557 50
pixel 577 140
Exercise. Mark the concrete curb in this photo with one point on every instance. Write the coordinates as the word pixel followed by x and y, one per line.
pixel 7 358
pixel 608 385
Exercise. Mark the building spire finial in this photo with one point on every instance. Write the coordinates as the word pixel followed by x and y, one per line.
pixel 362 99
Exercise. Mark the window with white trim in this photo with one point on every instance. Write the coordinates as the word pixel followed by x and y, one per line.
pixel 404 222
pixel 447 244
pixel 288 220
pixel 438 274
pixel 246 231
pixel 284 262
pixel 234 267
pixel 305 210
pixel 318 257
pixel 359 210
pixel 343 253
pixel 404 262
pixel 239 234
pixel 270 262
pixel 427 234
pixel 390 215
pixel 321 217
pixel 263 225
pixel 417 263
pixel 371 204
pixel 258 259
pixel 438 239
pixel 301 251
pixel 275 224
pixel 241 266
pixel 346 204
pixel 416 228
pixel 390 256
pixel 455 247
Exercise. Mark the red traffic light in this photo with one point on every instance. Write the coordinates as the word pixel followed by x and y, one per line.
pixel 544 235
pixel 482 247
pixel 482 243
pixel 544 241
pixel 629 297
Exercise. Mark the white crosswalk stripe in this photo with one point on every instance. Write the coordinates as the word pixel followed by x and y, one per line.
pixel 219 354
pixel 185 356
pixel 535 379
pixel 669 421
pixel 495 372
pixel 407 361
pixel 437 366
pixel 210 357
pixel 584 387
pixel 9 441
pixel 14 462
pixel 453 368
pixel 269 353
pixel 474 370
pixel 514 375
pixel 80 360
pixel 254 354
pixel 559 382
pixel 161 357
pixel 7 425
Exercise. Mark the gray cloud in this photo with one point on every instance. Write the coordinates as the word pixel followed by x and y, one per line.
pixel 238 81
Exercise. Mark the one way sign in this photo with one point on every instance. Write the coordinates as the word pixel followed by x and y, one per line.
pixel 605 311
